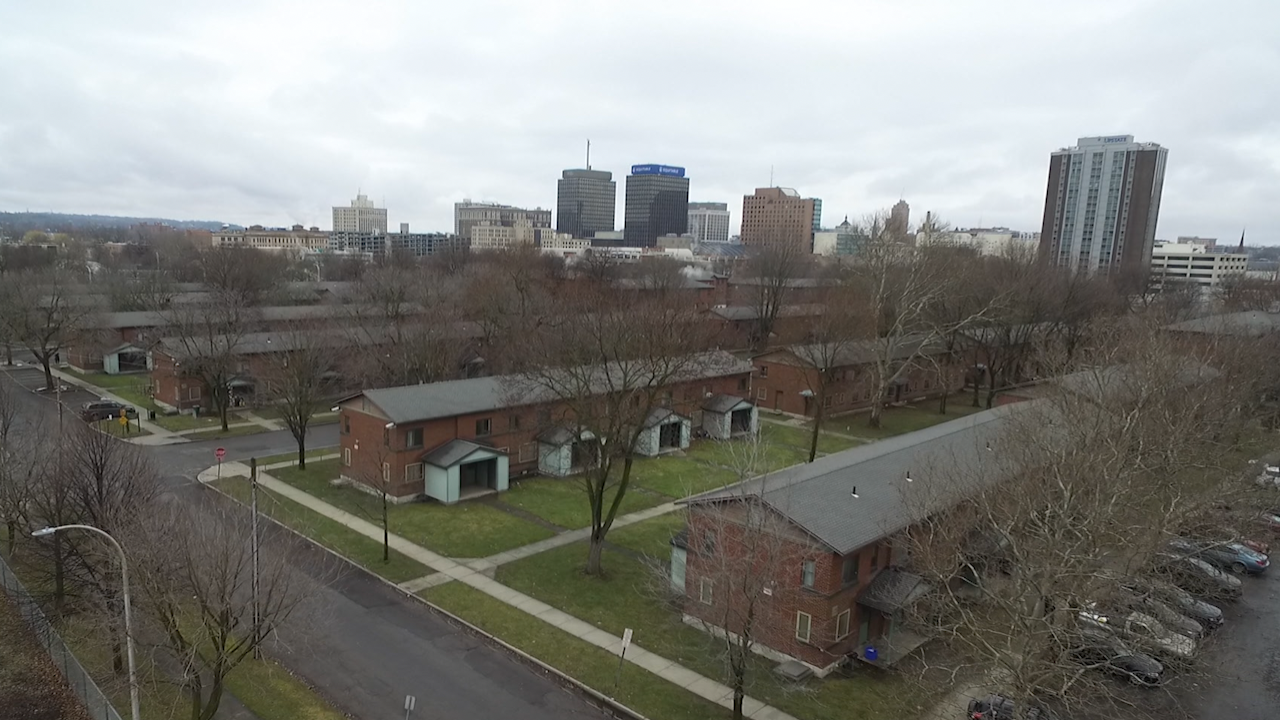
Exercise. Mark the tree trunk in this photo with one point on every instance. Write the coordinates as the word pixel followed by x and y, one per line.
pixel 594 554
pixel 877 409
pixel 59 581
pixel 13 535
pixel 302 450
pixel 942 401
pixel 194 689
pixel 48 373
pixel 222 413
pixel 386 530
pixel 817 427
pixel 215 699
pixel 739 689
pixel 977 386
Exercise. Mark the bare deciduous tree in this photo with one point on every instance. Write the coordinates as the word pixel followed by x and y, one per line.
pixel 205 341
pixel 300 374
pixel 835 334
pixel 771 271
pixel 605 365
pixel 194 579
pixel 44 312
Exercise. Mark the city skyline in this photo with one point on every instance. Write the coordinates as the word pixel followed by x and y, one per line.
pixel 148 109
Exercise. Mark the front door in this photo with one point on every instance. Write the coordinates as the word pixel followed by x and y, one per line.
pixel 777 400
pixel 864 628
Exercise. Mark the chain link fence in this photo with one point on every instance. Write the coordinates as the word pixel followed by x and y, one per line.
pixel 78 679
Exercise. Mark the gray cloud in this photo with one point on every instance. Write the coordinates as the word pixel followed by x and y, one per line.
pixel 273 111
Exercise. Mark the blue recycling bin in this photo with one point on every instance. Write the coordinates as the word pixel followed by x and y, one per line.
pixel 870 653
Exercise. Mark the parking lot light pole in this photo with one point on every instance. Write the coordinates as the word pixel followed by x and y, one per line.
pixel 128 610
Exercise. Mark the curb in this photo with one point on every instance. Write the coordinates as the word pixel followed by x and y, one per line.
pixel 604 701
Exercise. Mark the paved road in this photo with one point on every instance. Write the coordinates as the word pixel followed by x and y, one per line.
pixel 374 645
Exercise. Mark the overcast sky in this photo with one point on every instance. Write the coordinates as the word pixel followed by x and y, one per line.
pixel 264 111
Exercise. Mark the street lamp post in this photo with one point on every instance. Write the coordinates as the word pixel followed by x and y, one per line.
pixel 128 611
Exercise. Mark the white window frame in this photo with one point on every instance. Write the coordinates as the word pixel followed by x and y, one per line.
pixel 193 392
pixel 843 618
pixel 808 626
pixel 410 479
pixel 808 574
pixel 346 457
pixel 762 395
pixel 706 591
pixel 386 473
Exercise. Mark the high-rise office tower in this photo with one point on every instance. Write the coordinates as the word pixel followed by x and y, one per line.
pixel 657 204
pixel 709 222
pixel 361 217
pixel 778 217
pixel 468 214
pixel 1102 203
pixel 817 214
pixel 899 221
pixel 585 201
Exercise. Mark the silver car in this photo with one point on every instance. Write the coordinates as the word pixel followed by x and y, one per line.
pixel 1142 630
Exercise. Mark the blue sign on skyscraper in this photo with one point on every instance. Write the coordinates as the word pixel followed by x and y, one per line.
pixel 670 170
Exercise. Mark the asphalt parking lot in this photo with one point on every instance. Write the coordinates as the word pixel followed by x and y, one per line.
pixel 1243 660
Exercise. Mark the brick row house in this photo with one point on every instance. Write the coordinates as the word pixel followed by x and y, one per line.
pixel 840 574
pixel 786 382
pixel 451 440
pixel 251 356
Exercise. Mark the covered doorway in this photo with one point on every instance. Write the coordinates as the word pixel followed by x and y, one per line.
pixel 461 470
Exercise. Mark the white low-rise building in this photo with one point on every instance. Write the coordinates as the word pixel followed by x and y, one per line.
pixel 1193 262
pixel 986 241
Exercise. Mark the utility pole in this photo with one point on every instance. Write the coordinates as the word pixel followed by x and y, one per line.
pixel 253 495
pixel 588 153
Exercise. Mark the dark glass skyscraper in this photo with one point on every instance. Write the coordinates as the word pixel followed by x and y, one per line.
pixel 657 204
pixel 585 202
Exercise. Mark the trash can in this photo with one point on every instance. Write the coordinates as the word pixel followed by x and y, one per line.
pixel 151 415
pixel 196 411
pixel 870 653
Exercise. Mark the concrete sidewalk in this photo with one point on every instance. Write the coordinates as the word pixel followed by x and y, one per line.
pixel 472 574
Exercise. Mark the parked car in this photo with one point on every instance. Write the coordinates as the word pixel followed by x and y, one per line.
pixel 999 707
pixel 1110 654
pixel 1269 520
pixel 1232 556
pixel 1208 615
pixel 1170 618
pixel 1199 577
pixel 1269 477
pixel 106 410
pixel 1141 629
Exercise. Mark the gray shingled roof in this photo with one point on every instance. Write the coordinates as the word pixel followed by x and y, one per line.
pixel 722 403
pixel 862 352
pixel 454 452
pixel 893 589
pixel 1252 323
pixel 659 414
pixel 415 403
pixel 816 497
pixel 749 312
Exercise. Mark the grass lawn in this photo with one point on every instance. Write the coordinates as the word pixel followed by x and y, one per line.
pixel 563 501
pixel 263 686
pixel 898 421
pixel 627 598
pixel 251 429
pixel 728 454
pixel 270 691
pixel 111 382
pixel 312 453
pixel 636 688
pixel 651 537
pixel 333 535
pixel 465 530
pixel 795 437
pixel 678 477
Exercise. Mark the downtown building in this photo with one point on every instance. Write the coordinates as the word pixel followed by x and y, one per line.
pixel 468 214
pixel 709 222
pixel 1102 204
pixel 778 217
pixel 657 205
pixel 361 217
pixel 585 202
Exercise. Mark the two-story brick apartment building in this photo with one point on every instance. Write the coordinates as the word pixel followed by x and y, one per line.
pixel 842 524
pixel 449 440
pixel 785 381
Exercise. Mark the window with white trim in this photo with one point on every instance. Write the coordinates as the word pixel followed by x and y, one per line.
pixel 842 625
pixel 808 572
pixel 804 623
pixel 386 472
pixel 413 473
pixel 346 457
pixel 705 588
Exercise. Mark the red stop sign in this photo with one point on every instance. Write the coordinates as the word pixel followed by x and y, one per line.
pixel 220 453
